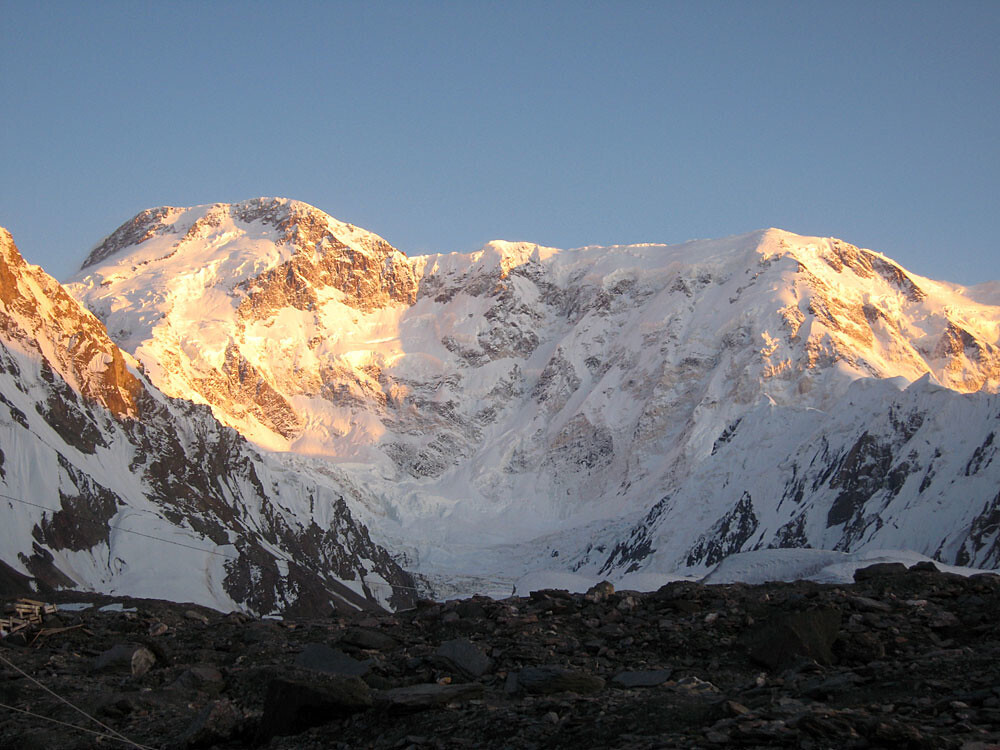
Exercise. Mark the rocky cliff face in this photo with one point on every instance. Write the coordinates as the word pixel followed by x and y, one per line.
pixel 476 400
pixel 110 485
pixel 40 319
pixel 886 468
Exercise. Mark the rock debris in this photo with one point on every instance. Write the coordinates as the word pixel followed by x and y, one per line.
pixel 902 658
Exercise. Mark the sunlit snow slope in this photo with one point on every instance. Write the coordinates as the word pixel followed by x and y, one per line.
pixel 490 398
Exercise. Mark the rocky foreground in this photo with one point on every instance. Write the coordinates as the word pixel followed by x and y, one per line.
pixel 901 658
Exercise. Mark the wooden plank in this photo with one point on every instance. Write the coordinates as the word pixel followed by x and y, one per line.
pixel 53 631
pixel 16 627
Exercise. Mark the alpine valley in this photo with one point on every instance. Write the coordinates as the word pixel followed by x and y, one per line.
pixel 257 406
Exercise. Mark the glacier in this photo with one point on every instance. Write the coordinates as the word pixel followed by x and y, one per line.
pixel 606 411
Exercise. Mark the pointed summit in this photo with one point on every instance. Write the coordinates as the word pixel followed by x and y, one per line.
pixel 280 220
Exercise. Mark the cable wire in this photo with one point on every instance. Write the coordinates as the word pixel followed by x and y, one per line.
pixel 101 735
pixel 114 733
pixel 120 528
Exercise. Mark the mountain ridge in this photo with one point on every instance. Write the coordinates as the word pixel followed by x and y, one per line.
pixel 519 390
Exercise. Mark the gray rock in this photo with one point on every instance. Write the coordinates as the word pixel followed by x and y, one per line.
pixel 864 604
pixel 206 674
pixel 825 687
pixel 599 592
pixel 200 677
pixel 431 695
pixel 943 619
pixel 217 722
pixel 470 608
pixel 879 570
pixel 696 686
pixel 142 661
pixel 464 657
pixel 642 678
pixel 192 614
pixel 551 679
pixel 786 639
pixel 261 632
pixel 319 657
pixel 369 638
pixel 510 683
pixel 292 706
pixel 118 656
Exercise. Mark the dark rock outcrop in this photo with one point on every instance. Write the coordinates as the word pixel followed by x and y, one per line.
pixel 900 659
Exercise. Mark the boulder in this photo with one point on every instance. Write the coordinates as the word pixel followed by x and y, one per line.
pixel 641 678
pixel 879 570
pixel 789 638
pixel 464 657
pixel 368 638
pixel 217 722
pixel 552 679
pixel 430 695
pixel 125 657
pixel 599 592
pixel 292 706
pixel 319 657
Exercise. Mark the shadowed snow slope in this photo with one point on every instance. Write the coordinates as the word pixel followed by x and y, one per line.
pixel 622 407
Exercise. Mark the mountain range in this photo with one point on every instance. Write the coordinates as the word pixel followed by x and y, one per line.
pixel 323 417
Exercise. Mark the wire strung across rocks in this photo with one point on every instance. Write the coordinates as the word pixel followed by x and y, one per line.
pixel 112 733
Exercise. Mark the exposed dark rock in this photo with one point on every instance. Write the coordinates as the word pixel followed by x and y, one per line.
pixel 643 678
pixel 463 656
pixel 421 697
pixel 879 570
pixel 789 638
pixel 217 722
pixel 553 679
pixel 905 660
pixel 368 638
pixel 727 535
pixel 599 592
pixel 127 657
pixel 319 657
pixel 12 583
pixel 199 677
pixel 291 706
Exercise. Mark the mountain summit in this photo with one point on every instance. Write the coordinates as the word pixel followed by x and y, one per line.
pixel 491 398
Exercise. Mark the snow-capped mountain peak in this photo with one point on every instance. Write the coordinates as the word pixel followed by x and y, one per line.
pixel 281 220
pixel 517 390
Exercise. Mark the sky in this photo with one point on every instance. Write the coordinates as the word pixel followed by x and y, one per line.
pixel 443 125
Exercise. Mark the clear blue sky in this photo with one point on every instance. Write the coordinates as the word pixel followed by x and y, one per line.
pixel 441 125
